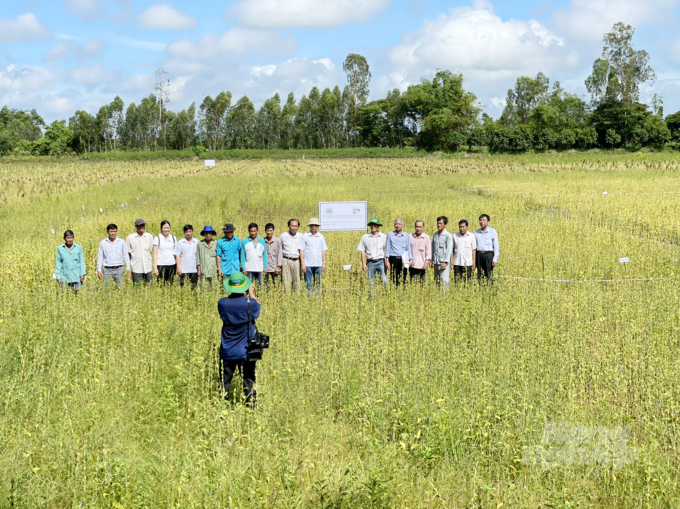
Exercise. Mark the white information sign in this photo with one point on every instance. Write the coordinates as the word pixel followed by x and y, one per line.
pixel 210 162
pixel 342 216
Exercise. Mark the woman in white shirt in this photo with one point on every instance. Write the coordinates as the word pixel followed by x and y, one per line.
pixel 164 263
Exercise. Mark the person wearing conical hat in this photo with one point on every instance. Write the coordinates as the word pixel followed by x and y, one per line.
pixel 372 247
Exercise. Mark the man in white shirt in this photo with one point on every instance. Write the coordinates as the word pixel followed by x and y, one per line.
pixel 139 246
pixel 372 247
pixel 112 256
pixel 464 252
pixel 185 254
pixel 312 251
pixel 290 243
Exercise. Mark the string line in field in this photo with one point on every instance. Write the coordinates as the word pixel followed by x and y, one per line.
pixel 544 280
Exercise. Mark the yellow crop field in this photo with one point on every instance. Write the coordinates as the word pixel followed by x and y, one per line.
pixel 556 386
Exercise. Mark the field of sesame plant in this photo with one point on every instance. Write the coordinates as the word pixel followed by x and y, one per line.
pixel 557 386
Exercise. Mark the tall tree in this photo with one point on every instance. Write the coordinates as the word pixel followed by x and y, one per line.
pixel 617 75
pixel 358 76
pixel 527 94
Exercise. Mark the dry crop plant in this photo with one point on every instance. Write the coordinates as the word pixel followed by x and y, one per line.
pixel 522 394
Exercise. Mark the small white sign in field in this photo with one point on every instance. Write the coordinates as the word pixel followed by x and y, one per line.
pixel 210 162
pixel 343 216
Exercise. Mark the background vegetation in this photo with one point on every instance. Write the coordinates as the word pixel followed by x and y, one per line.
pixel 416 398
pixel 436 114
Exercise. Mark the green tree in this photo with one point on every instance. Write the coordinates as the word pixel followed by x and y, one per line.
pixel 242 123
pixel 454 111
pixel 358 76
pixel 213 117
pixel 527 95
pixel 617 75
pixel 84 129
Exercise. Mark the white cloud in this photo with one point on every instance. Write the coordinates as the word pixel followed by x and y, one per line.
pixel 162 16
pixel 58 105
pixel 589 20
pixel 91 50
pixel 87 9
pixel 211 51
pixel 305 13
pixel 147 45
pixel 18 85
pixel 475 41
pixel 25 28
pixel 91 76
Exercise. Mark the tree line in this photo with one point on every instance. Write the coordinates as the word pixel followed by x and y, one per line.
pixel 435 114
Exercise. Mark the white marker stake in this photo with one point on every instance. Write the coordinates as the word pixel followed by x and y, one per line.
pixel 605 193
pixel 346 267
pixel 624 260
pixel 209 162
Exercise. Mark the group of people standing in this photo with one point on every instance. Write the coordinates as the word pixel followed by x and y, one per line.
pixel 285 259
pixel 411 255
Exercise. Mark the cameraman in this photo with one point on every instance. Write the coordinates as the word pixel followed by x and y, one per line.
pixel 237 330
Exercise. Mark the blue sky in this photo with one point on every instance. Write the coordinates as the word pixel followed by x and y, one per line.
pixel 65 55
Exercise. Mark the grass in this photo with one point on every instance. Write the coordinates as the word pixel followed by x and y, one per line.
pixel 412 399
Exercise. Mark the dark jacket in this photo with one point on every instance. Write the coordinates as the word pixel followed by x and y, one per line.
pixel 235 330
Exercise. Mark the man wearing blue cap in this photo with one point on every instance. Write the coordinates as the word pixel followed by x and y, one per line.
pixel 238 314
pixel 206 258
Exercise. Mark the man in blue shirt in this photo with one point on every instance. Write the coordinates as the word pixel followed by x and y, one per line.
pixel 238 314
pixel 228 252
pixel 398 252
pixel 487 248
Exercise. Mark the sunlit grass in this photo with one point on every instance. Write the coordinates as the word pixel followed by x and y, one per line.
pixel 413 398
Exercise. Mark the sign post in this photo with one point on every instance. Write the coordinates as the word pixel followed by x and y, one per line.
pixel 343 216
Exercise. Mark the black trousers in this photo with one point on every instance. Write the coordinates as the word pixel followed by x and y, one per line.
pixel 166 273
pixel 398 271
pixel 417 273
pixel 247 370
pixel 271 279
pixel 462 272
pixel 191 276
pixel 484 264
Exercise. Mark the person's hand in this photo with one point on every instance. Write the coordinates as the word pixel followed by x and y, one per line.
pixel 364 267
pixel 245 272
pixel 155 271
pixel 128 273
pixel 431 264
pixel 100 275
pixel 474 267
pixel 219 272
pixel 303 269
pixel 179 271
pixel 387 264
pixel 410 264
pixel 444 265
pixel 493 264
pixel 60 282
pixel 323 269
pixel 277 271
pixel 82 278
pixel 198 272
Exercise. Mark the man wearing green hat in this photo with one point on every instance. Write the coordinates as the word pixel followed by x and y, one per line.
pixel 238 314
pixel 372 247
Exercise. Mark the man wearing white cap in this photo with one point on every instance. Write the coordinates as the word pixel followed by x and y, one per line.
pixel 313 255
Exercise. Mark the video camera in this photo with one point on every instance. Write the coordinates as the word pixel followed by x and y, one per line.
pixel 256 346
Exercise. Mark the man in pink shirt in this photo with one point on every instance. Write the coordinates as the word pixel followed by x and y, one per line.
pixel 421 249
